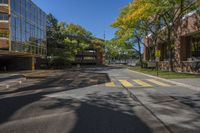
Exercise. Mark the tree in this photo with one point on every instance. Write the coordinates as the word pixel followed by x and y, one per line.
pixel 54 36
pixel 78 35
pixel 116 49
pixel 78 38
pixel 152 16
pixel 65 41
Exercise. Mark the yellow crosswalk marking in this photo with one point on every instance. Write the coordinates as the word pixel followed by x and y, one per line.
pixel 110 84
pixel 125 83
pixel 158 82
pixel 142 83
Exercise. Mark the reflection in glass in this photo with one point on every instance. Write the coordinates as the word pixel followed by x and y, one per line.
pixel 28 27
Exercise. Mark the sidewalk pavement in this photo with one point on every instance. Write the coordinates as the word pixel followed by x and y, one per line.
pixel 189 81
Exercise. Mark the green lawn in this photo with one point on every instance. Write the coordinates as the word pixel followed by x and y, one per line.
pixel 165 74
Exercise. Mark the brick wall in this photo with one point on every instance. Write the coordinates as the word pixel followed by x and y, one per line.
pixel 188 26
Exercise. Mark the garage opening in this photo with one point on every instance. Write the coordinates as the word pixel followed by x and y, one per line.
pixel 11 63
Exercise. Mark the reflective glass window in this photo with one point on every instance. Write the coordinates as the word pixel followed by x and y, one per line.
pixel 3 1
pixel 3 16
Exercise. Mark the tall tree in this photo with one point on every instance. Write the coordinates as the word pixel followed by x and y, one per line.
pixel 154 15
pixel 64 41
pixel 54 36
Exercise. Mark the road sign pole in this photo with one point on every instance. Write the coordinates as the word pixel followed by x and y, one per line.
pixel 157 54
pixel 157 67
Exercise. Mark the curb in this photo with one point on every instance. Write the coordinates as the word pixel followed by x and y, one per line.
pixel 170 81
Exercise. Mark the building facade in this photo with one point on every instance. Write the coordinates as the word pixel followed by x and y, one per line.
pixel 186 51
pixel 90 56
pixel 22 34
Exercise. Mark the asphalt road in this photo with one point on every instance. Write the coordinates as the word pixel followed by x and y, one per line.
pixel 98 100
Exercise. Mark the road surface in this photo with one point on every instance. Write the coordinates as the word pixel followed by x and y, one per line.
pixel 98 100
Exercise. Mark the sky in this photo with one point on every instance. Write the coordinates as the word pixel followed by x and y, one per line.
pixel 95 15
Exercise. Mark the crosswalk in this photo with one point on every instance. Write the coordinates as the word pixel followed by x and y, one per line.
pixel 142 83
pixel 125 83
pixel 147 83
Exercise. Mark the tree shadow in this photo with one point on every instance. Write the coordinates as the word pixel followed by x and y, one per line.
pixel 11 77
pixel 96 113
pixel 69 80
pixel 14 100
pixel 103 113
pixel 99 68
pixel 191 101
pixel 173 111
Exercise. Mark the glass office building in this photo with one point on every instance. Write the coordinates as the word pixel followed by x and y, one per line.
pixel 28 27
pixel 22 31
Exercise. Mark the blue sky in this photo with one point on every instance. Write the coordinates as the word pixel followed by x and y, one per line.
pixel 94 15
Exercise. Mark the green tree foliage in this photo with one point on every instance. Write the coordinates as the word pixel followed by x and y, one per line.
pixel 78 37
pixel 55 36
pixel 64 41
pixel 150 16
pixel 115 49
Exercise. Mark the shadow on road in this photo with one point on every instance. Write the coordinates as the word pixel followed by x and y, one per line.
pixel 108 114
pixel 12 101
pixel 32 108
pixel 105 113
pixel 191 101
pixel 102 113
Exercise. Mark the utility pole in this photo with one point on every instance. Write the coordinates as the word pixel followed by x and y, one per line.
pixel 104 37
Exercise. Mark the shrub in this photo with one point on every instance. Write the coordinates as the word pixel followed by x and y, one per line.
pixel 60 62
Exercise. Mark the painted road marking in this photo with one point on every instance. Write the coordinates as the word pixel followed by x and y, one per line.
pixel 158 83
pixel 125 83
pixel 142 83
pixel 110 84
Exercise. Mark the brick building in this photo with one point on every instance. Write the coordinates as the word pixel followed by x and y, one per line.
pixel 186 52
pixel 22 35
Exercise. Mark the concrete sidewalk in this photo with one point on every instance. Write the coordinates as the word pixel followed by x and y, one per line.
pixel 189 81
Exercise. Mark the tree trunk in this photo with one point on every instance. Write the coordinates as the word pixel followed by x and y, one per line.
pixel 140 54
pixel 171 68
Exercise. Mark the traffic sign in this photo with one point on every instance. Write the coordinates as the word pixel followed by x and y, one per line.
pixel 157 54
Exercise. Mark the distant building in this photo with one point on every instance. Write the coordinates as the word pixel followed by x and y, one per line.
pixel 186 52
pixel 90 56
pixel 22 35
